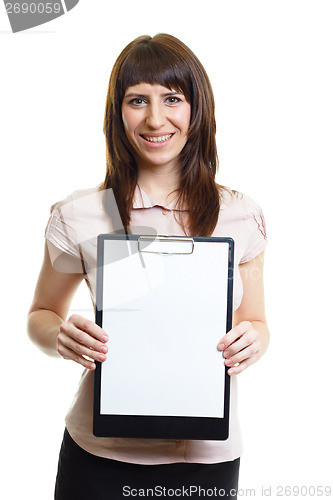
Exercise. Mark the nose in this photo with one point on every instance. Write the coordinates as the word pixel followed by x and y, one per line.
pixel 155 117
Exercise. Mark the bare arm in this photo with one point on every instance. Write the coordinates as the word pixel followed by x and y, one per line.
pixel 248 340
pixel 47 325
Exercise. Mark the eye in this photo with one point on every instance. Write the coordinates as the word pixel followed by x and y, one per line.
pixel 136 102
pixel 173 100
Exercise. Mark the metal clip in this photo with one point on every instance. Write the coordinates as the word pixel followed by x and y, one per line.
pixel 163 244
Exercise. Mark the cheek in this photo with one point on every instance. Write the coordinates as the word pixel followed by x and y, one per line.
pixel 184 119
pixel 127 128
pixel 129 120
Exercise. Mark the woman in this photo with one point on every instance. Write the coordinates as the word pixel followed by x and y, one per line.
pixel 159 127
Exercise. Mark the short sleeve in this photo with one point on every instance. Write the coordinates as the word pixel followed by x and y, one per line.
pixel 60 231
pixel 254 229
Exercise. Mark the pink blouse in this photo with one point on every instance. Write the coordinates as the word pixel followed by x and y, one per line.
pixel 73 228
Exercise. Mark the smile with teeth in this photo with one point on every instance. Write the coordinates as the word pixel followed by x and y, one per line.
pixel 161 138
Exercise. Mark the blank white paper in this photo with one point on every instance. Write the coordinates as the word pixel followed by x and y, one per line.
pixel 164 321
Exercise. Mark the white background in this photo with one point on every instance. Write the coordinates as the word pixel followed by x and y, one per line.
pixel 270 64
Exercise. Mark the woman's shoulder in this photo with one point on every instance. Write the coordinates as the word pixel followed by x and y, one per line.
pixel 78 202
pixel 235 202
pixel 242 219
pixel 77 219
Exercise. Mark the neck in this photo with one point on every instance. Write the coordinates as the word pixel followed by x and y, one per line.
pixel 159 182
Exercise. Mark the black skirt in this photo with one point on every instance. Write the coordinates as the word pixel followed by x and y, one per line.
pixel 83 476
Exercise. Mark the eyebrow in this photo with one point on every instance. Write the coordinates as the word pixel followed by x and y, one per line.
pixel 144 96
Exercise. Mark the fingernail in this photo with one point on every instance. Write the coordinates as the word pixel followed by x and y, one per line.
pixel 231 371
pixel 221 346
pixel 105 338
pixel 226 354
pixel 104 348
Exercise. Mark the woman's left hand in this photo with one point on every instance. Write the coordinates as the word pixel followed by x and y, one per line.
pixel 241 347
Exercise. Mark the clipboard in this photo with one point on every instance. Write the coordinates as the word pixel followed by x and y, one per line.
pixel 165 302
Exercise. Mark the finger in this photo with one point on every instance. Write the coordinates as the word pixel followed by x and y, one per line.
pixel 244 341
pixel 81 337
pixel 90 327
pixel 242 355
pixel 70 355
pixel 234 334
pixel 235 370
pixel 80 349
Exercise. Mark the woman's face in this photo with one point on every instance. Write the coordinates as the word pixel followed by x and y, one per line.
pixel 156 121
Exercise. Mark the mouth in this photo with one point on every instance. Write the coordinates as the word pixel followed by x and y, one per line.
pixel 157 139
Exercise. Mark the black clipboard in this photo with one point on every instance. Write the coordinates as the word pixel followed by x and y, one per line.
pixel 120 408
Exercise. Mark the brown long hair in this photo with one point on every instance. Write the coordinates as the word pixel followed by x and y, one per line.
pixel 165 60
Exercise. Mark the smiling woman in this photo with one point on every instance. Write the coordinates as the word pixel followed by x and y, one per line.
pixel 158 87
pixel 156 123
pixel 159 127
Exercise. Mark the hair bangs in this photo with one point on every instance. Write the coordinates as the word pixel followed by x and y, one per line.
pixel 152 63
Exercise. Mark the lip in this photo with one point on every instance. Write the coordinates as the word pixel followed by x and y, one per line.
pixel 157 145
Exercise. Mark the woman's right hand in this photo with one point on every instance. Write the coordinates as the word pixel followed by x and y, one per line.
pixel 79 337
